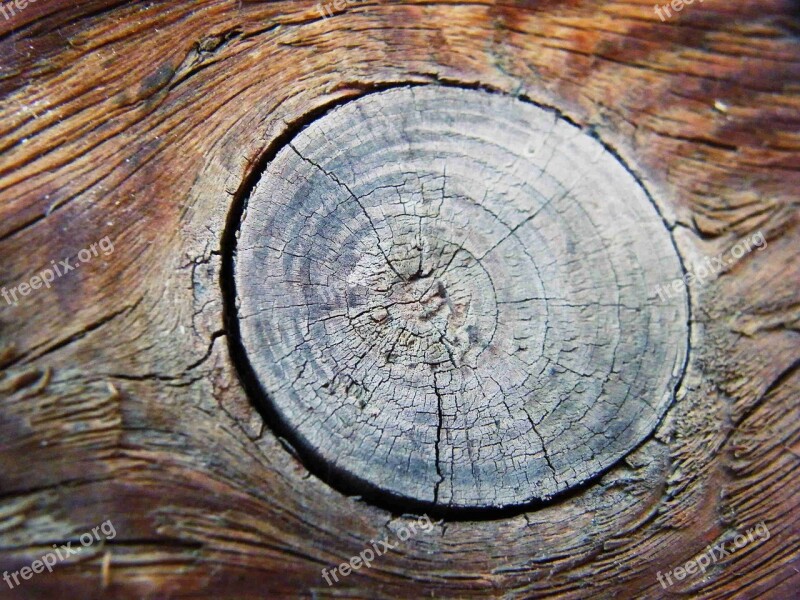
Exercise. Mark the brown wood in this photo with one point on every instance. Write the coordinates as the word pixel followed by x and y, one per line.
pixel 119 400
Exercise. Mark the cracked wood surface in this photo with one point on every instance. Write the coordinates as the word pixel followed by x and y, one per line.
pixel 119 399
pixel 448 295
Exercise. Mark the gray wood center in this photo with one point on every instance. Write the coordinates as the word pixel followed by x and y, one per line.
pixel 449 296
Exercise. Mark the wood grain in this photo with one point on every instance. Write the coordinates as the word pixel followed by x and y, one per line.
pixel 448 296
pixel 120 400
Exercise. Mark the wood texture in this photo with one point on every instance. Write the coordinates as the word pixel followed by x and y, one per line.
pixel 448 296
pixel 119 399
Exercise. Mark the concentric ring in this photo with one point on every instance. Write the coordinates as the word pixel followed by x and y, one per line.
pixel 448 295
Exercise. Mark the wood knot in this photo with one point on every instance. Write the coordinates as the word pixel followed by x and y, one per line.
pixel 446 296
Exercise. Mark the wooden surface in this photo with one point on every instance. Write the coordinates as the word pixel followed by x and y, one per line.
pixel 119 400
pixel 448 296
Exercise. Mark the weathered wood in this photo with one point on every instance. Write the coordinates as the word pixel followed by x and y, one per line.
pixel 448 296
pixel 119 398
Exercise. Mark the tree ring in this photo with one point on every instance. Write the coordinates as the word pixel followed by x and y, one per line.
pixel 449 296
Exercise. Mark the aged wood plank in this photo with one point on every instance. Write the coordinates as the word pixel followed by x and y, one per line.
pixel 119 400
